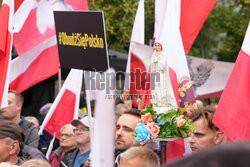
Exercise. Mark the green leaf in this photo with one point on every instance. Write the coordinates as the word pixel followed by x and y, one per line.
pixel 134 134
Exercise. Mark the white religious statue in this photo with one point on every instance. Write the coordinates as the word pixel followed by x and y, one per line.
pixel 163 98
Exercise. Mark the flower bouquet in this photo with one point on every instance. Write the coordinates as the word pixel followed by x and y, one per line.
pixel 165 125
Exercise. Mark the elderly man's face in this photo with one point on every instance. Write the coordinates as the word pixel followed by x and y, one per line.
pixel 67 138
pixel 204 136
pixel 8 150
pixel 82 134
pixel 125 127
pixel 13 107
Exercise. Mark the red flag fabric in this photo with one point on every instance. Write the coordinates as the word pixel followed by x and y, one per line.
pixel 136 62
pixel 17 4
pixel 66 105
pixel 36 43
pixel 63 114
pixel 6 15
pixel 193 15
pixel 232 114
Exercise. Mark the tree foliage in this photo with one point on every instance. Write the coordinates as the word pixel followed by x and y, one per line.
pixel 119 19
pixel 224 30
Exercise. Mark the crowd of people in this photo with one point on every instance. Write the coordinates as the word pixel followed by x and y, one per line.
pixel 20 144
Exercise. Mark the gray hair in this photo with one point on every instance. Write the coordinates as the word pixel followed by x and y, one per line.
pixel 33 120
pixel 6 164
pixel 150 158
pixel 68 126
pixel 35 163
pixel 10 141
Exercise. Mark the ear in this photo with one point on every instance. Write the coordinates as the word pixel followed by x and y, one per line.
pixel 14 147
pixel 219 137
pixel 19 106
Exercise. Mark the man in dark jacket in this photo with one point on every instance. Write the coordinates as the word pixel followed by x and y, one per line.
pixel 62 156
pixel 13 112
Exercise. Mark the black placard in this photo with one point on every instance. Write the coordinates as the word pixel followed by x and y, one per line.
pixel 81 40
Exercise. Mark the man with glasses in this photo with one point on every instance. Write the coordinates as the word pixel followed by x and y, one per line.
pixel 81 155
pixel 206 134
pixel 64 153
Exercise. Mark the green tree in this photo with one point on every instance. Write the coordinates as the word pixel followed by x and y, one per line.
pixel 119 19
pixel 224 30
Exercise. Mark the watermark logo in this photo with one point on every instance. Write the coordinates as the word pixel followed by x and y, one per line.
pixel 137 81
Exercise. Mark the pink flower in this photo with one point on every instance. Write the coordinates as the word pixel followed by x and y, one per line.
pixel 154 129
pixel 180 121
pixel 147 118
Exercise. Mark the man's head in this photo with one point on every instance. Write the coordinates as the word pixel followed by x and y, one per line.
pixel 67 137
pixel 33 120
pixel 121 108
pixel 139 157
pixel 82 130
pixel 125 127
pixel 206 134
pixel 11 141
pixel 35 162
pixel 15 103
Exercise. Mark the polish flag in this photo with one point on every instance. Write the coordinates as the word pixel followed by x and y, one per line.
pixel 168 33
pixel 36 42
pixel 66 105
pixel 232 114
pixel 6 15
pixel 136 61
pixel 192 17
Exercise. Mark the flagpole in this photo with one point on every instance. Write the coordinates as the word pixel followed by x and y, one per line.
pixel 86 75
pixel 59 80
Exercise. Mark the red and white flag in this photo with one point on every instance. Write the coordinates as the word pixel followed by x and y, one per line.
pixel 66 105
pixel 232 114
pixel 192 17
pixel 136 62
pixel 6 16
pixel 169 35
pixel 36 41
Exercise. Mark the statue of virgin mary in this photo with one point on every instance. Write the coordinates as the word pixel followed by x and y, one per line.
pixel 162 92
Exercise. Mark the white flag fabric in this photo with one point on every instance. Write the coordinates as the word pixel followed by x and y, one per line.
pixel 172 45
pixel 137 35
pixel 66 105
pixel 35 41
pixel 102 143
pixel 168 34
pixel 50 147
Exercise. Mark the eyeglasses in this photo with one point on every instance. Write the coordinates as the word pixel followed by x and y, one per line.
pixel 81 129
pixel 66 135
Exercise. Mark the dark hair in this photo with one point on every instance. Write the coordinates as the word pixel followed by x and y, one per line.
pixel 207 113
pixel 134 112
